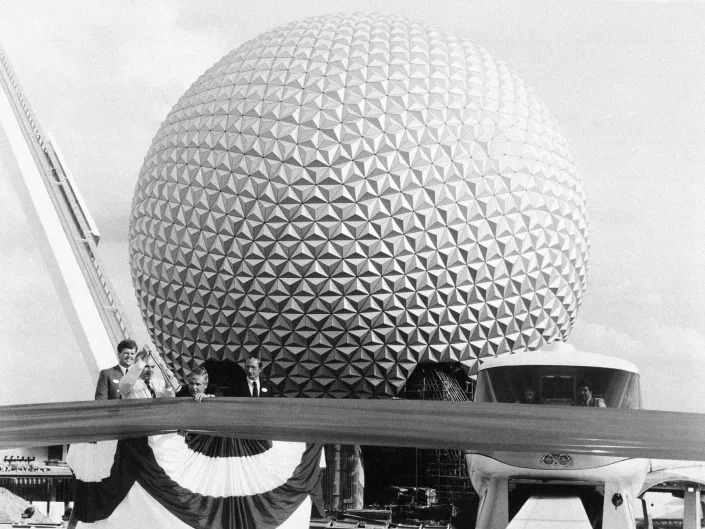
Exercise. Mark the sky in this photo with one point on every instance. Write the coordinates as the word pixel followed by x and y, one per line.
pixel 624 81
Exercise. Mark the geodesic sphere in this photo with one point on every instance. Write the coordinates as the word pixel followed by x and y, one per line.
pixel 349 196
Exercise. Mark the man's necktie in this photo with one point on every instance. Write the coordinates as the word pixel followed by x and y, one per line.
pixel 254 389
pixel 151 390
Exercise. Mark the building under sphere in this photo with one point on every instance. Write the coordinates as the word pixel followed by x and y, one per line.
pixel 352 196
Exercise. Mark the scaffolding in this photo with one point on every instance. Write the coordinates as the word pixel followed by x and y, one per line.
pixel 444 470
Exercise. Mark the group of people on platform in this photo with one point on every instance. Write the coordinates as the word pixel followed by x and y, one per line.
pixel 134 378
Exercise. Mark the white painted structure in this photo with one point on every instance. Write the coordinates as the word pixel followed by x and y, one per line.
pixel 66 233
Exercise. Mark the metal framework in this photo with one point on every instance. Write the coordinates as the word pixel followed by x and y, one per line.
pixel 444 470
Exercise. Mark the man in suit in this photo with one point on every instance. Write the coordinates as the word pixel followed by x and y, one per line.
pixel 197 386
pixel 140 383
pixel 108 386
pixel 254 386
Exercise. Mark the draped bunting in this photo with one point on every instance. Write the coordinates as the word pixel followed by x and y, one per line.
pixel 197 481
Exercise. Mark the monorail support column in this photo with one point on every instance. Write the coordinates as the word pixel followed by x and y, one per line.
pixel 494 504
pixel 692 512
pixel 619 508
pixel 648 521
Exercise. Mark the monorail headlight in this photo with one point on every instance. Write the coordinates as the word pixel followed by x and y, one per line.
pixel 556 459
pixel 563 459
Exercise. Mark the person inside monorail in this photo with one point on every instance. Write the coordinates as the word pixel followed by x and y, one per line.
pixel 585 396
pixel 561 385
pixel 530 396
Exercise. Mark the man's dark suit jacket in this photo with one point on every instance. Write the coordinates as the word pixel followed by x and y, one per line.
pixel 108 387
pixel 210 390
pixel 264 388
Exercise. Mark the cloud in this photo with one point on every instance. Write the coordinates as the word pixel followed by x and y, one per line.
pixel 670 360
pixel 121 68
pixel 103 76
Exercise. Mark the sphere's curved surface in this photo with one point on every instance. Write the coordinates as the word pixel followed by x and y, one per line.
pixel 349 196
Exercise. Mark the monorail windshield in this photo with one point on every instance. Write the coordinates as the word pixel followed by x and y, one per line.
pixel 559 385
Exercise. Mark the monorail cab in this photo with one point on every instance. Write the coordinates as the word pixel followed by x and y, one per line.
pixel 555 376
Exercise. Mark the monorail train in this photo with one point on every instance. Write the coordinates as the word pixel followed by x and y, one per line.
pixel 558 375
